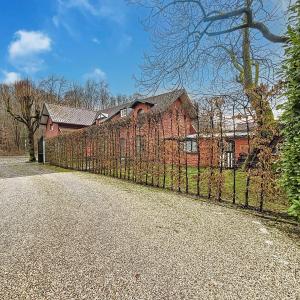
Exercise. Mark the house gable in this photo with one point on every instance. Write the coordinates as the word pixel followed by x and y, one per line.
pixel 57 119
pixel 51 129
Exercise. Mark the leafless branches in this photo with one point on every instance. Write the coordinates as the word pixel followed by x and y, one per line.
pixel 189 36
pixel 27 109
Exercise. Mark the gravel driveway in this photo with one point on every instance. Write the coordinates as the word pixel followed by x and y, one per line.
pixel 73 235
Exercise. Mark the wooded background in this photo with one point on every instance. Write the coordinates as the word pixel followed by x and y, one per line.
pixel 94 95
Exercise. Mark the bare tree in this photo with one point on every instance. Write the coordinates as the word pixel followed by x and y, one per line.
pixel 104 95
pixel 28 108
pixel 91 95
pixel 53 88
pixel 74 95
pixel 189 35
pixel 11 132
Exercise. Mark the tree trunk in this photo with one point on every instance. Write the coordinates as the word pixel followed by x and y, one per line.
pixel 250 85
pixel 17 135
pixel 31 145
pixel 248 80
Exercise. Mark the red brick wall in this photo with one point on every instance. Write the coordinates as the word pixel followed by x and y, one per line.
pixel 55 129
pixel 241 146
pixel 205 146
pixel 174 123
pixel 145 107
pixel 172 120
pixel 48 133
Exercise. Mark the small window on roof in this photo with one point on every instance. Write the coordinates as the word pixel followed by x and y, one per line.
pixel 123 112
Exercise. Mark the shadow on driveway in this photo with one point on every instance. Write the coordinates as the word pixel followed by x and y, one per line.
pixel 11 167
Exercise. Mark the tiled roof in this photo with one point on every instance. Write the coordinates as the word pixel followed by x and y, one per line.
pixel 160 102
pixel 71 115
pixel 163 101
pixel 85 117
pixel 111 111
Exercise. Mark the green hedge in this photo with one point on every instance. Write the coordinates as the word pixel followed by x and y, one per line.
pixel 291 115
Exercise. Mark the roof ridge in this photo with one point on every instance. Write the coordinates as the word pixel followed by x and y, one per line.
pixel 71 107
pixel 116 106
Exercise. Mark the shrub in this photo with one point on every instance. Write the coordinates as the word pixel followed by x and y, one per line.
pixel 291 114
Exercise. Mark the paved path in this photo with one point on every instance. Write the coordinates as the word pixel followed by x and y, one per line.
pixel 72 235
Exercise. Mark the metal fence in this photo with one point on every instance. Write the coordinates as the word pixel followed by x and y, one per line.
pixel 158 150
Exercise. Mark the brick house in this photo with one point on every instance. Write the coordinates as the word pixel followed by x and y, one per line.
pixel 58 119
pixel 177 119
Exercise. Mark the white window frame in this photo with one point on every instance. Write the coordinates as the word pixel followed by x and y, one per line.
pixel 123 112
pixel 190 146
pixel 194 146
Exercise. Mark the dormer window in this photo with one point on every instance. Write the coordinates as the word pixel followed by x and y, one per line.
pixel 102 116
pixel 123 112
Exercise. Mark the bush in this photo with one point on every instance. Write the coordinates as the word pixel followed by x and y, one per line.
pixel 291 114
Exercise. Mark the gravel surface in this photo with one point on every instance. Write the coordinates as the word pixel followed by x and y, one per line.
pixel 72 235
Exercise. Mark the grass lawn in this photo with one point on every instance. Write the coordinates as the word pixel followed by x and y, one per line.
pixel 154 174
pixel 274 200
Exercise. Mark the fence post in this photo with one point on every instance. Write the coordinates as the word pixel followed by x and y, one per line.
pixel 198 150
pixel 211 117
pixel 234 157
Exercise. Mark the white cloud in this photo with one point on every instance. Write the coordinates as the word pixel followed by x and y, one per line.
pixel 25 49
pixel 29 43
pixel 96 74
pixel 96 41
pixel 81 4
pixel 113 10
pixel 10 77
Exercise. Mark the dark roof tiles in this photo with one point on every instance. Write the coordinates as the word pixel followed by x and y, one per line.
pixel 86 117
pixel 163 101
pixel 160 102
pixel 111 111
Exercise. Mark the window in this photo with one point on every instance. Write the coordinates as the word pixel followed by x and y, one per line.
pixel 190 146
pixel 229 146
pixel 51 127
pixel 123 112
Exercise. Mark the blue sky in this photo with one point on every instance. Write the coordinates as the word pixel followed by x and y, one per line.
pixel 79 39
